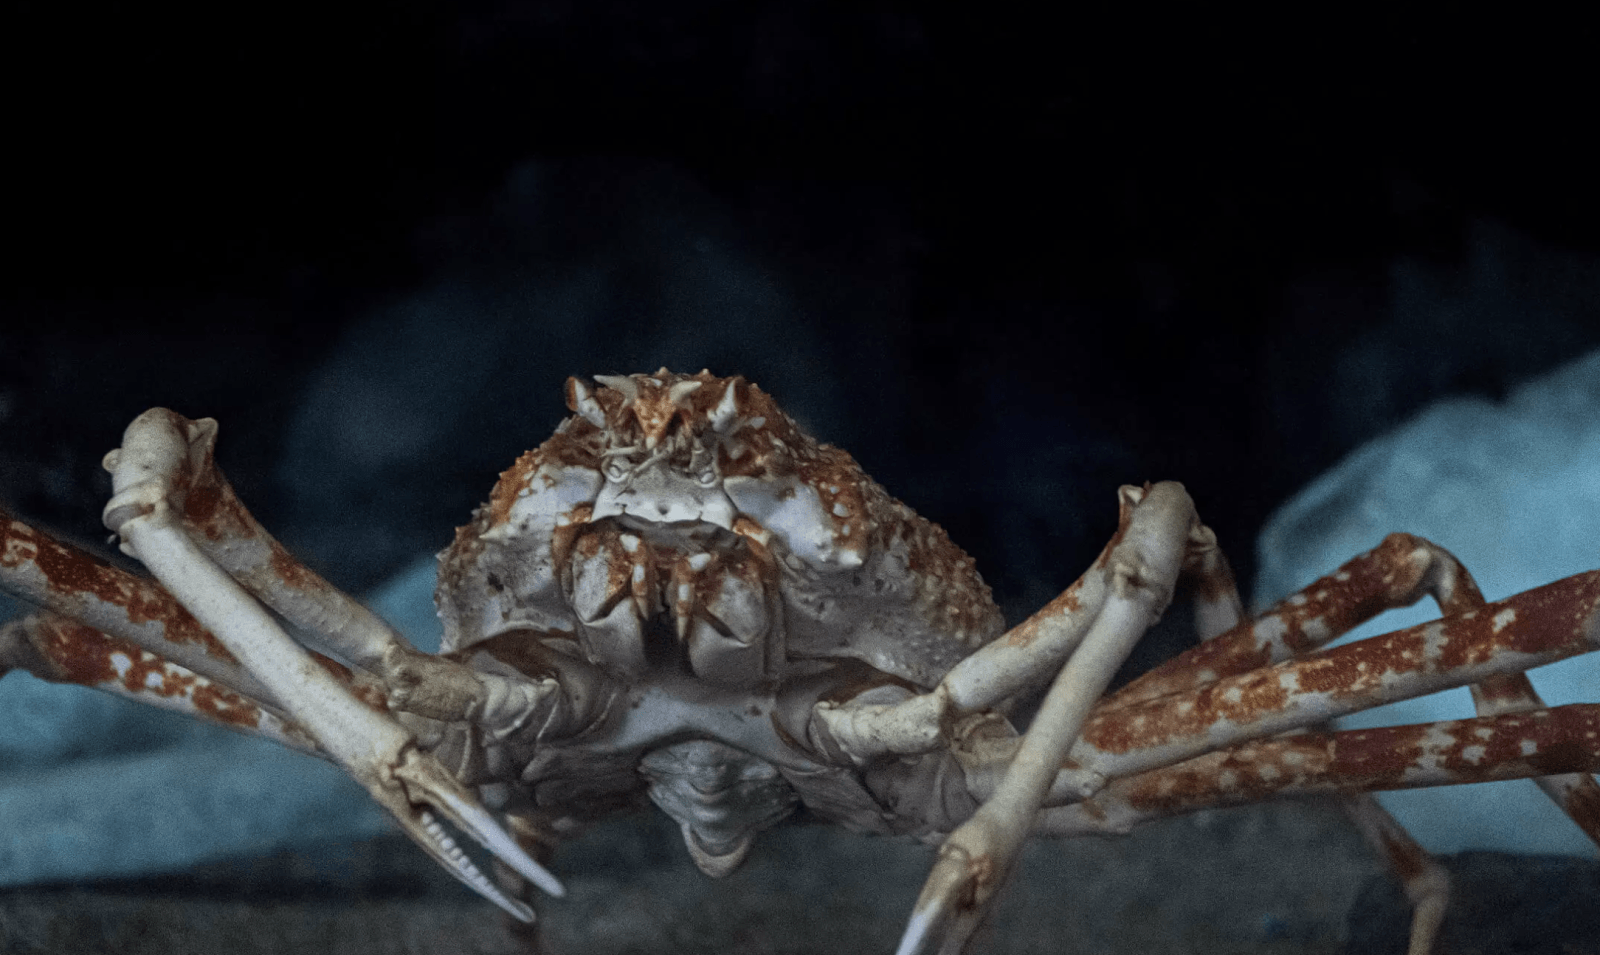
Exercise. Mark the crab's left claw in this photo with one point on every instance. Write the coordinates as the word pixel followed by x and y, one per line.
pixel 370 744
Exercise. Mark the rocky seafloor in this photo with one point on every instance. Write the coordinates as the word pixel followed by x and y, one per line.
pixel 1290 878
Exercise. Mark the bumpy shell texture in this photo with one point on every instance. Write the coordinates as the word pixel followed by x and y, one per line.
pixel 696 500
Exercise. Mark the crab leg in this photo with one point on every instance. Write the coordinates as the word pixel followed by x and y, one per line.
pixel 73 583
pixel 1427 884
pixel 113 631
pixel 62 650
pixel 416 682
pixel 151 474
pixel 1531 629
pixel 1144 563
pixel 59 649
pixel 1398 572
pixel 1562 739
pixel 1489 644
pixel 227 533
pixel 230 536
pixel 1217 607
pixel 1029 654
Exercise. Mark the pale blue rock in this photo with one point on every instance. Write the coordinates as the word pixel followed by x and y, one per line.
pixel 1513 490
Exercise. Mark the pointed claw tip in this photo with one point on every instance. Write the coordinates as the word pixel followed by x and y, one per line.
pixel 476 822
pixel 919 930
pixel 545 880
pixel 518 910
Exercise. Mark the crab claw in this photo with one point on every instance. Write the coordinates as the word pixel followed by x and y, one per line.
pixel 372 746
pixel 423 782
pixel 950 906
pixel 426 781
pixel 424 787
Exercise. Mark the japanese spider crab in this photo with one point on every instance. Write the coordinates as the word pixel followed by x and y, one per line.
pixel 682 596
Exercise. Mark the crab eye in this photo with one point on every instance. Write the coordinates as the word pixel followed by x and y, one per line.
pixel 616 470
pixel 706 477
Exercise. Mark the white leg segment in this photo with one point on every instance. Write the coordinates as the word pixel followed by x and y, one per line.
pixel 1143 566
pixel 371 745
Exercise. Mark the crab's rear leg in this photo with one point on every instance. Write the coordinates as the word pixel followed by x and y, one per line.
pixel 1398 572
pixel 1137 744
pixel 61 650
pixel 73 583
pixel 1528 630
pixel 1562 739
pixel 1157 751
pixel 164 470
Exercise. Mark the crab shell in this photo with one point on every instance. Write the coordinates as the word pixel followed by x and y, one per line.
pixel 691 506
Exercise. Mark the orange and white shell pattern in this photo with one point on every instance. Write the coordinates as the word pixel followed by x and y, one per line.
pixel 691 510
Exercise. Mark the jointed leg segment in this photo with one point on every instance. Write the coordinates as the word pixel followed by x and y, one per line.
pixel 175 513
pixel 1141 569
pixel 1204 729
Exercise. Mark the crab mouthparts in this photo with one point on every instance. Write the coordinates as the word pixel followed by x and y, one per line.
pixel 704 535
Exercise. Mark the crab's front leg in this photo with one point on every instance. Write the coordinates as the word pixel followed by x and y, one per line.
pixel 163 467
pixel 1143 566
pixel 1096 622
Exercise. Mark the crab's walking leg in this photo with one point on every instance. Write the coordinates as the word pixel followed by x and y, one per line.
pixel 1143 563
pixel 73 583
pixel 1562 739
pixel 1483 645
pixel 1528 630
pixel 62 650
pixel 1576 793
pixel 1426 882
pixel 225 531
pixel 1398 572
pixel 1217 607
pixel 113 631
pixel 151 475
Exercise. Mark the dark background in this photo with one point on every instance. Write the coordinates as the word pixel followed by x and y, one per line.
pixel 1010 262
